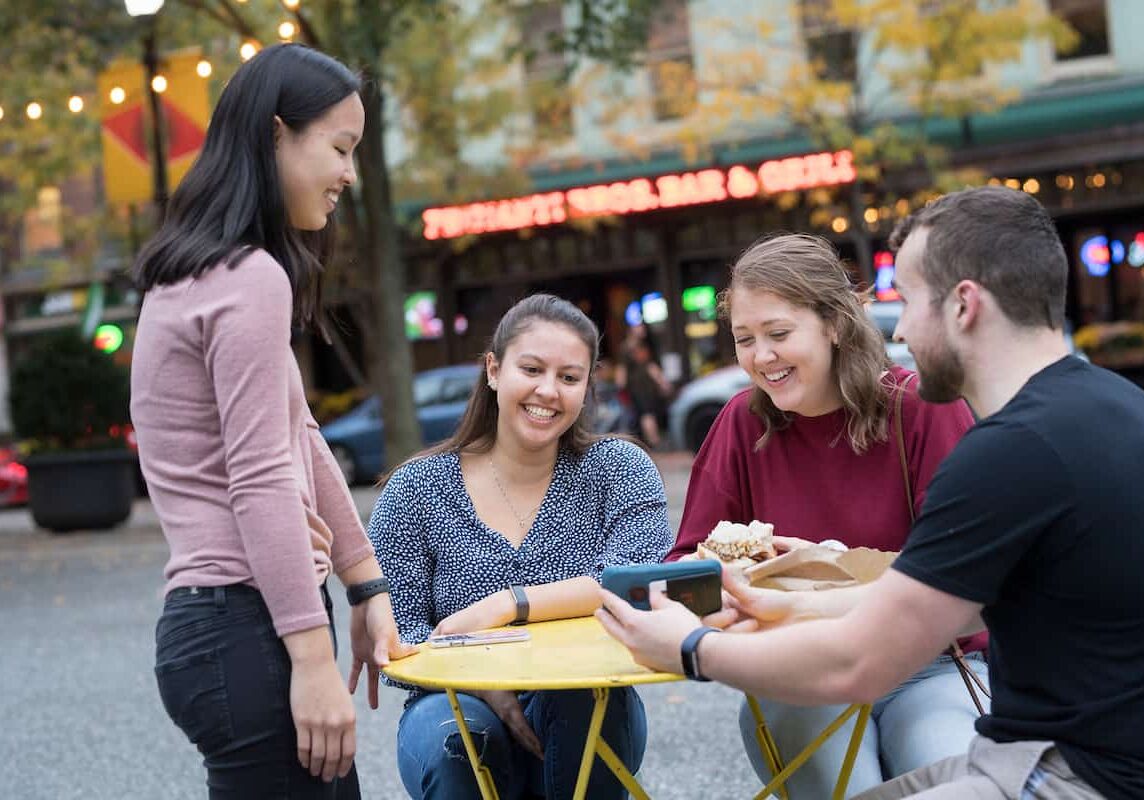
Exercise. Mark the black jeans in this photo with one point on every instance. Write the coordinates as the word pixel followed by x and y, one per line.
pixel 224 677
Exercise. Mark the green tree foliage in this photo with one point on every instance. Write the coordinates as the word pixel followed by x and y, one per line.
pixel 871 76
pixel 425 72
pixel 429 69
pixel 66 395
pixel 54 50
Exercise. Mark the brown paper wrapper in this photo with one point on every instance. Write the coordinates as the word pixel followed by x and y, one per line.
pixel 814 568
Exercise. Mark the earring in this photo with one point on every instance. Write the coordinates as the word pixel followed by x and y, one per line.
pixel 493 384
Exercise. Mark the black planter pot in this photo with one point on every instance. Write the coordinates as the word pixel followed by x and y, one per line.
pixel 81 490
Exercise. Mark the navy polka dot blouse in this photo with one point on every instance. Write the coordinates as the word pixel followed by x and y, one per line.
pixel 603 508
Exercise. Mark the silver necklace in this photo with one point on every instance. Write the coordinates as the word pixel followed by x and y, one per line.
pixel 523 521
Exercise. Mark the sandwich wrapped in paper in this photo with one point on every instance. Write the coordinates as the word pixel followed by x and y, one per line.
pixel 817 567
pixel 739 545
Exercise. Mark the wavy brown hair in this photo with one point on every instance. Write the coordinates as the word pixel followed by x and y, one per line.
pixel 477 430
pixel 807 272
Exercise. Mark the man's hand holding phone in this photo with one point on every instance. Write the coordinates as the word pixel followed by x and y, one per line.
pixel 695 584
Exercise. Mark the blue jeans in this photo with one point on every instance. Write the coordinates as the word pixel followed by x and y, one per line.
pixel 927 718
pixel 433 765
pixel 224 678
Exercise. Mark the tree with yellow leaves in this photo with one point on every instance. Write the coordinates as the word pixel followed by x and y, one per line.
pixel 871 76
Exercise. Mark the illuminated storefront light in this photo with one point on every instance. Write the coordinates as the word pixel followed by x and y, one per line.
pixel 1136 251
pixel 639 195
pixel 700 299
pixel 1095 255
pixel 884 276
pixel 108 338
pixel 654 308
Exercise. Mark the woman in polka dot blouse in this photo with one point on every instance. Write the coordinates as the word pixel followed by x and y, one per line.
pixel 513 518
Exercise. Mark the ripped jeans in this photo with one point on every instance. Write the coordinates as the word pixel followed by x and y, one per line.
pixel 432 761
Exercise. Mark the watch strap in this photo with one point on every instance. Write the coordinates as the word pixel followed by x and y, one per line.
pixel 360 592
pixel 688 652
pixel 521 600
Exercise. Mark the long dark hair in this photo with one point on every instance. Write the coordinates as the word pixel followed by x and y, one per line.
pixel 477 430
pixel 231 202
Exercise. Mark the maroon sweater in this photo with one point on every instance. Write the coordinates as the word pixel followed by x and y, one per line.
pixel 810 483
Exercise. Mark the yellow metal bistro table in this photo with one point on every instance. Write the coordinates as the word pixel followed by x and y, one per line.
pixel 563 654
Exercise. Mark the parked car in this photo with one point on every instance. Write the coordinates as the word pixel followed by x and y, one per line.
pixel 440 396
pixel 13 479
pixel 699 402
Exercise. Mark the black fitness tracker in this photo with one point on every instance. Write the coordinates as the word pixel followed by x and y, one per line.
pixel 689 655
pixel 360 592
pixel 521 599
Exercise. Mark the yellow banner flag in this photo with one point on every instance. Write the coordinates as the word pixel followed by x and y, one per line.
pixel 127 126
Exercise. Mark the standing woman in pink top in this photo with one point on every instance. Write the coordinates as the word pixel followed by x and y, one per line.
pixel 251 501
pixel 813 447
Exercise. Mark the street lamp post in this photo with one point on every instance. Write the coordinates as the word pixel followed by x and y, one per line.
pixel 150 10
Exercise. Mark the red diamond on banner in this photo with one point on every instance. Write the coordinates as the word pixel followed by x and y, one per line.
pixel 127 127
pixel 184 136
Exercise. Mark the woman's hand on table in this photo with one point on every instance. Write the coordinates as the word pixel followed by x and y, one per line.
pixel 506 705
pixel 374 641
pixel 494 611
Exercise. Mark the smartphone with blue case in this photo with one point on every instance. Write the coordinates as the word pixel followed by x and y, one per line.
pixel 696 584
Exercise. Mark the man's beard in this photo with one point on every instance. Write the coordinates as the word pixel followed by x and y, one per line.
pixel 941 376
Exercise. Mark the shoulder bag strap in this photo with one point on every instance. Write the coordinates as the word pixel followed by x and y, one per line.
pixel 969 676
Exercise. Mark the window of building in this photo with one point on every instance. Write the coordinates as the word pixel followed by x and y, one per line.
pixel 831 50
pixel 544 70
pixel 1089 18
pixel 670 62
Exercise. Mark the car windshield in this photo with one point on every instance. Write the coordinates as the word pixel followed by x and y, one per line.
pixel 426 390
pixel 885 316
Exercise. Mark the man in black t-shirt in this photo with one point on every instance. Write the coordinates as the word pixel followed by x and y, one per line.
pixel 1033 526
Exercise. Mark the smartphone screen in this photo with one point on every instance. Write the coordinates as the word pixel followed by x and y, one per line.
pixel 477 638
pixel 702 594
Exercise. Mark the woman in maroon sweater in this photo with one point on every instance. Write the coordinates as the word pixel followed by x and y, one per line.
pixel 811 448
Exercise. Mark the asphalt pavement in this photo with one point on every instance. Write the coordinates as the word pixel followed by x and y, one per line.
pixel 80 716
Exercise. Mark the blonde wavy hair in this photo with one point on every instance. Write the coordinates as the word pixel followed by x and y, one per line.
pixel 807 272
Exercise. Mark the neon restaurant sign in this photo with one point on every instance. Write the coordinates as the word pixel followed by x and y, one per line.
pixel 641 194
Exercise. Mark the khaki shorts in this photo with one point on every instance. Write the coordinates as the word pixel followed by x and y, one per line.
pixel 991 771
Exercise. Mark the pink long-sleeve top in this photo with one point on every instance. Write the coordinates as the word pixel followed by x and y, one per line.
pixel 244 486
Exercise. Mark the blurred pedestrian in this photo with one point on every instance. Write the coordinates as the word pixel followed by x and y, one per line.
pixel 251 501
pixel 648 389
pixel 513 519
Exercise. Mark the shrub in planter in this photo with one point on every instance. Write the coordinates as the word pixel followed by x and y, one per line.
pixel 70 408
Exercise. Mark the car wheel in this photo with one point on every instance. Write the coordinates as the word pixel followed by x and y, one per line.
pixel 699 422
pixel 346 463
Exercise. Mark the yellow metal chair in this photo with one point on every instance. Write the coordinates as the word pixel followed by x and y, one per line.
pixel 782 772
